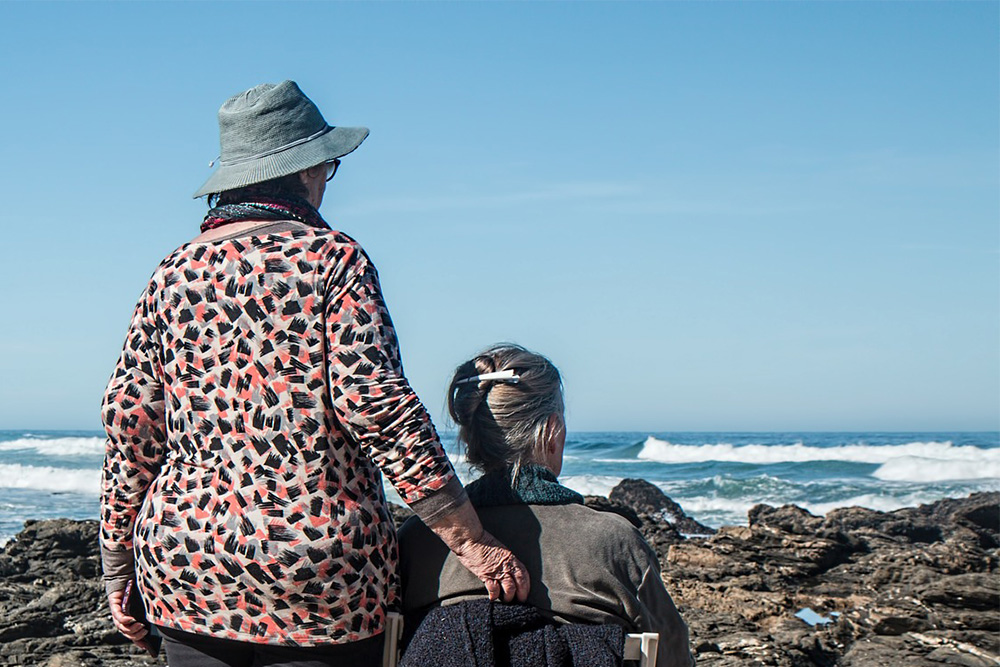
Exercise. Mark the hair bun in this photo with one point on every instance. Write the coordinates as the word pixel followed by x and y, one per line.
pixel 465 398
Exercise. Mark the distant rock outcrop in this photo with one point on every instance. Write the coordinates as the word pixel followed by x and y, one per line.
pixel 916 587
pixel 647 499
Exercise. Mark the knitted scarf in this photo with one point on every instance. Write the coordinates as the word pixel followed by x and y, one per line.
pixel 535 485
pixel 264 208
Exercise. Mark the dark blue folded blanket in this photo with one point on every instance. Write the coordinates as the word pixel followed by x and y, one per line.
pixel 481 633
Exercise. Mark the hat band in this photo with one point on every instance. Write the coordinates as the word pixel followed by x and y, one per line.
pixel 229 163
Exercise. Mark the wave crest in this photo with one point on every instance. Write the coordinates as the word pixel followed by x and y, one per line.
pixel 922 461
pixel 47 478
pixel 917 469
pixel 73 446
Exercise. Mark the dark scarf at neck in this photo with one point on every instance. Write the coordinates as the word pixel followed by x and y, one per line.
pixel 264 208
pixel 535 485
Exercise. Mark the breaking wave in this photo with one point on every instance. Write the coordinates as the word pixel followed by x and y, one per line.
pixel 70 446
pixel 914 461
pixel 46 478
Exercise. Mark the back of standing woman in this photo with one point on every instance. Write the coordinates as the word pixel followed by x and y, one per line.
pixel 256 405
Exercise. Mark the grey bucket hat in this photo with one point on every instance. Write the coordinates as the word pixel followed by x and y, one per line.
pixel 273 130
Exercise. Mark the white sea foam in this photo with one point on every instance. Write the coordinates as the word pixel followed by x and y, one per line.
pixel 917 469
pixel 698 505
pixel 57 446
pixel 872 501
pixel 666 452
pixel 734 510
pixel 47 478
pixel 590 485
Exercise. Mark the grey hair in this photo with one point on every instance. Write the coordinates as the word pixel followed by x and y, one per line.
pixel 281 187
pixel 503 423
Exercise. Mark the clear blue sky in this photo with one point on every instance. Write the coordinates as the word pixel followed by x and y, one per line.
pixel 710 216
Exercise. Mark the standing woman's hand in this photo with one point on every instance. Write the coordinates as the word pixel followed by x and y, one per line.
pixel 504 576
pixel 502 573
pixel 128 626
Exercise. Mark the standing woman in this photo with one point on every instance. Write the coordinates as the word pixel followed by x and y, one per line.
pixel 256 405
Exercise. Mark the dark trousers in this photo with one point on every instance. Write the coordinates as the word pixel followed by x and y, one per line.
pixel 189 650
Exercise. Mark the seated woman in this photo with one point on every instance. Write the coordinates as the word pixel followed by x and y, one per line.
pixel 586 566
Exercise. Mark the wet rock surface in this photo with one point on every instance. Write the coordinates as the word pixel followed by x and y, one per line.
pixel 918 586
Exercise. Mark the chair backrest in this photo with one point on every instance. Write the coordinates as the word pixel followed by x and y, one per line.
pixel 642 646
pixel 393 635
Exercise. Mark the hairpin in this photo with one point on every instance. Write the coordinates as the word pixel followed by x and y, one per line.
pixel 499 376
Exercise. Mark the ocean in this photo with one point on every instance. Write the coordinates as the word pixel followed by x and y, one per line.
pixel 716 477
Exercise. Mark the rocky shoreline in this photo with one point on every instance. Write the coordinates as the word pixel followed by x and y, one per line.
pixel 916 587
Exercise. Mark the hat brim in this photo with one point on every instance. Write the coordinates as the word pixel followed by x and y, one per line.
pixel 338 142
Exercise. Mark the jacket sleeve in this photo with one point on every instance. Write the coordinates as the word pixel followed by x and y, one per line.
pixel 660 615
pixel 133 415
pixel 373 400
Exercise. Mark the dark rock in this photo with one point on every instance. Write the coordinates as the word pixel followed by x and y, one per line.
pixel 909 528
pixel 951 656
pixel 788 518
pixel 53 610
pixel 884 651
pixel 975 591
pixel 978 513
pixel 916 587
pixel 985 515
pixel 646 498
pixel 58 550
pixel 976 517
pixel 898 625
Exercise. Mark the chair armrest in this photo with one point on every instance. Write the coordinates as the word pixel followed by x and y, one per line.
pixel 642 646
pixel 393 635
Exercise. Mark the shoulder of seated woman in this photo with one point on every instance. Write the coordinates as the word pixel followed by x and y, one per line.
pixel 594 518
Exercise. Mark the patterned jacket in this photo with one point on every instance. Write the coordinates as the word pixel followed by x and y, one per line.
pixel 258 396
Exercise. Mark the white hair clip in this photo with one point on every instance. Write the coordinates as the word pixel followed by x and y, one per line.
pixel 499 376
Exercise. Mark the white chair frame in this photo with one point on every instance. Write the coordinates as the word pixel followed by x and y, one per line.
pixel 640 646
pixel 393 635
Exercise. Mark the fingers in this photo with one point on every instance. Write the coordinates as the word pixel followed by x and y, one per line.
pixel 493 589
pixel 511 583
pixel 138 638
pixel 128 626
pixel 132 629
pixel 515 582
pixel 509 587
pixel 522 583
pixel 503 575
